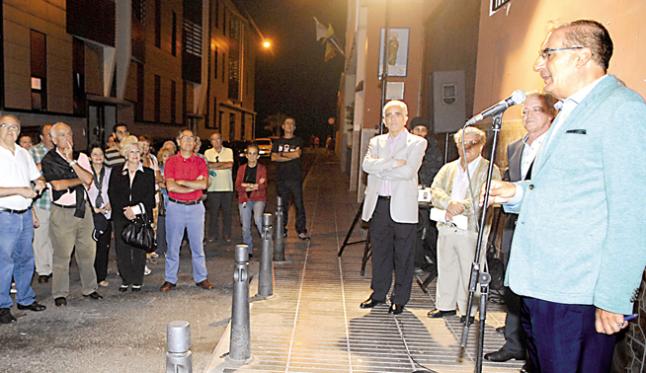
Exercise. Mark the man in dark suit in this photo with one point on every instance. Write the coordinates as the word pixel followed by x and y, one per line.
pixel 538 114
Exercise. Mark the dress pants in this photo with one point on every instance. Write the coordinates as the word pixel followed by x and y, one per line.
pixel 71 234
pixel 392 244
pixel 43 250
pixel 178 218
pixel 215 202
pixel 426 243
pixel 455 253
pixel 16 258
pixel 561 338
pixel 292 190
pixel 103 253
pixel 131 261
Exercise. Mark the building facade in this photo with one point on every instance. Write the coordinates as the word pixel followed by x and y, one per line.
pixel 156 65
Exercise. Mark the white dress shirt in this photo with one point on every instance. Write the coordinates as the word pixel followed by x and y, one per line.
pixel 18 170
pixel 460 188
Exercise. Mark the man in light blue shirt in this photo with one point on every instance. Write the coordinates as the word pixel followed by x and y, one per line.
pixel 578 253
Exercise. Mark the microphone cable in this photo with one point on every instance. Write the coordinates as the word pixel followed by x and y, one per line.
pixel 400 329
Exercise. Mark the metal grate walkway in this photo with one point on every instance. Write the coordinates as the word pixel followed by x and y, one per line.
pixel 314 323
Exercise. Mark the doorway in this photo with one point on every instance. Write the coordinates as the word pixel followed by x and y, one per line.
pixel 101 119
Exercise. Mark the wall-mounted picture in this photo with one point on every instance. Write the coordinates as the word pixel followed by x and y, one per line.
pixel 397 45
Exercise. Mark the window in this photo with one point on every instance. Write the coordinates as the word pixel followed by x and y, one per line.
pixel 157 98
pixel 158 23
pixel 224 58
pixel 78 76
pixel 138 9
pixel 497 4
pixel 192 41
pixel 232 126
pixel 214 124
pixel 173 102
pixel 173 36
pixel 38 45
pixel 139 106
pixel 215 63
pixel 216 13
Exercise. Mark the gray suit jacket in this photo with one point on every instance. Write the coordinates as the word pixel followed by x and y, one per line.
pixel 378 164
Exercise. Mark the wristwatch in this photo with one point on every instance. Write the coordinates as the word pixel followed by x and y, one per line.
pixel 72 163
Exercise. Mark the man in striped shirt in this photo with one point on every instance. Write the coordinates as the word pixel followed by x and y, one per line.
pixel 113 156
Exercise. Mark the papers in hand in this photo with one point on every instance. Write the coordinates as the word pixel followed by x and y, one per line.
pixel 459 221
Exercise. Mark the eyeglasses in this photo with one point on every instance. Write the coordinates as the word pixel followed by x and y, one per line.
pixel 468 144
pixel 547 52
pixel 10 127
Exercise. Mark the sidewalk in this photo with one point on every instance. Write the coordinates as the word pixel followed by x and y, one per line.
pixel 314 323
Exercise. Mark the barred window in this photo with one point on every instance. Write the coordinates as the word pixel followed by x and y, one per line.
pixel 192 38
pixel 497 4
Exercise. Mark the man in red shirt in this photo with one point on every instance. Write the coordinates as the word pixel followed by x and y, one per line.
pixel 186 177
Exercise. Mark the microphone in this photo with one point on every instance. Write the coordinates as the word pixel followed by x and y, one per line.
pixel 517 97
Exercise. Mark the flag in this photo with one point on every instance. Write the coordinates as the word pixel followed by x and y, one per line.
pixel 325 35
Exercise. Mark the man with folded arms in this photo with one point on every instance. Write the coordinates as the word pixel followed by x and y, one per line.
pixel 186 177
pixel 71 223
pixel 16 225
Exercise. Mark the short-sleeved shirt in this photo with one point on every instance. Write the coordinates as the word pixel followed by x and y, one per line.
pixel 113 157
pixel 180 168
pixel 222 181
pixel 290 170
pixel 44 202
pixel 18 169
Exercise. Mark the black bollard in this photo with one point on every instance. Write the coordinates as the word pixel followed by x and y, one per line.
pixel 265 278
pixel 279 247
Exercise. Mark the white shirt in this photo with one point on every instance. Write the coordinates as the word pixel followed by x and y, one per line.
pixel 222 181
pixel 18 170
pixel 529 153
pixel 460 188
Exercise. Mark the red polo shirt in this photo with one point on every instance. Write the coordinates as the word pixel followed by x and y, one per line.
pixel 180 168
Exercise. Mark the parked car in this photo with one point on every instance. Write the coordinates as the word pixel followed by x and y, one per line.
pixel 264 146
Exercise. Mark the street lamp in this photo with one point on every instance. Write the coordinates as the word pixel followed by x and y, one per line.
pixel 266 44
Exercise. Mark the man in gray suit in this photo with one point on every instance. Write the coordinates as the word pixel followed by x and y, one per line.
pixel 390 204
pixel 538 113
pixel 578 253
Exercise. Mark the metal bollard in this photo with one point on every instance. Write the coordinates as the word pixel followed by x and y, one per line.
pixel 179 355
pixel 239 348
pixel 265 277
pixel 279 247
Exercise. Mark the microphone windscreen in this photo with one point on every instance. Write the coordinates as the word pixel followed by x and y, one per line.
pixel 518 97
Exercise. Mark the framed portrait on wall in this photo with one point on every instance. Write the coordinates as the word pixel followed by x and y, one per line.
pixel 395 91
pixel 397 45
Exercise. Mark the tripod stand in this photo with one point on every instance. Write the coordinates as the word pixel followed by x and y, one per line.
pixel 367 252
pixel 477 276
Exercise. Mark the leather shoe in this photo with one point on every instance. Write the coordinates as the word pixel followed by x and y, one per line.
pixel 205 284
pixel 396 309
pixel 93 295
pixel 60 301
pixel 167 286
pixel 472 319
pixel 6 317
pixel 36 307
pixel 503 355
pixel 436 314
pixel 369 303
pixel 43 278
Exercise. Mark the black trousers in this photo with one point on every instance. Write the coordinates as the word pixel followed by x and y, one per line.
pixel 130 260
pixel 292 191
pixel 102 254
pixel 214 202
pixel 392 249
pixel 426 243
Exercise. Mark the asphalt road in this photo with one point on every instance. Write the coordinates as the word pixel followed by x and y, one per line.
pixel 126 332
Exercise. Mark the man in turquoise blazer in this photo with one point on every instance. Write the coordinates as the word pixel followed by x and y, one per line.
pixel 579 249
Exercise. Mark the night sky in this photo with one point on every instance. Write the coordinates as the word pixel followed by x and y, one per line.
pixel 294 79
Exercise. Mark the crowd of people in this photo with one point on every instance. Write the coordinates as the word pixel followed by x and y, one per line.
pixel 573 242
pixel 56 202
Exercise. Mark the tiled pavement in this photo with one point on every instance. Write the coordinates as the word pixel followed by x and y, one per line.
pixel 313 322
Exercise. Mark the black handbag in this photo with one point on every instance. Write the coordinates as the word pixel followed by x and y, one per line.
pixel 139 233
pixel 101 223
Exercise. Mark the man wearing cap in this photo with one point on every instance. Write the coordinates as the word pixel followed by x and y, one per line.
pixel 426 244
pixel 16 226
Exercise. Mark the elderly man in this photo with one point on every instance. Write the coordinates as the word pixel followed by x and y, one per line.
pixel 71 223
pixel 390 204
pixel 454 189
pixel 220 191
pixel 538 113
pixel 43 250
pixel 578 253
pixel 16 227
pixel 186 177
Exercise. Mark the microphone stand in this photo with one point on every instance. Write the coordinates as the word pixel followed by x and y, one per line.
pixel 478 276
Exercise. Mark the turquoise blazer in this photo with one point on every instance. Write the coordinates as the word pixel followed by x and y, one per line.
pixel 581 233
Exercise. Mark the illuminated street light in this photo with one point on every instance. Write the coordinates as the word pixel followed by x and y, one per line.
pixel 266 44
